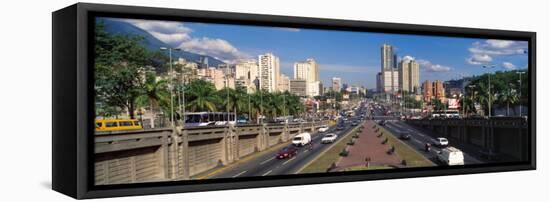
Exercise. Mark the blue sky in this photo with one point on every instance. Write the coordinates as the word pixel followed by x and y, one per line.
pixel 353 56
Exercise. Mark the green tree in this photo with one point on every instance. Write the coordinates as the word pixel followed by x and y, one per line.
pixel 155 94
pixel 508 97
pixel 201 95
pixel 119 62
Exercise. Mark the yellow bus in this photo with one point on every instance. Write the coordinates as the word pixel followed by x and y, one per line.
pixel 117 124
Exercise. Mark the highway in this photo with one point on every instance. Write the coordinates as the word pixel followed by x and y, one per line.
pixel 420 138
pixel 267 164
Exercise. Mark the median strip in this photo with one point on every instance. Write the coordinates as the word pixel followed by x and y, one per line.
pixel 323 161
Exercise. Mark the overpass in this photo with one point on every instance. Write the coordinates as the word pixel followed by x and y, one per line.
pixel 167 154
pixel 506 137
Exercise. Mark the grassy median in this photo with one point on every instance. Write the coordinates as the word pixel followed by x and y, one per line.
pixel 405 152
pixel 321 164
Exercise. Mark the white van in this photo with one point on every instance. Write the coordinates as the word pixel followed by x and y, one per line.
pixel 451 156
pixel 301 139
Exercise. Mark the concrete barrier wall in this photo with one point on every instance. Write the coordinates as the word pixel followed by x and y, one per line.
pixel 167 154
pixel 507 136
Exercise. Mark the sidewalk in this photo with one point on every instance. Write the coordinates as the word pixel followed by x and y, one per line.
pixel 368 145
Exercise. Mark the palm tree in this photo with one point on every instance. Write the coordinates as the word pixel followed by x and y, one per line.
pixel 232 99
pixel 508 97
pixel 154 93
pixel 201 96
pixel 484 97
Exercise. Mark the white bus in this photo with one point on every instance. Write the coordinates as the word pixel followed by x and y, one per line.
pixel 446 114
pixel 197 119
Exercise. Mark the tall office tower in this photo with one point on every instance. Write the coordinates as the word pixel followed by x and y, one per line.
pixel 428 91
pixel 336 84
pixel 390 75
pixel 409 76
pixel 269 72
pixel 439 91
pixel 379 82
pixel 245 73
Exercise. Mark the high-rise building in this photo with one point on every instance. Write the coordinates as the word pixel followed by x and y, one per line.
pixel 336 84
pixel 409 76
pixel 245 73
pixel 309 71
pixel 314 88
pixel 269 72
pixel 439 91
pixel 379 82
pixel 298 87
pixel 283 83
pixel 390 75
pixel 428 91
pixel 433 90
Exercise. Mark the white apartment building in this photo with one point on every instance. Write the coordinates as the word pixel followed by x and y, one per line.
pixel 269 72
pixel 245 73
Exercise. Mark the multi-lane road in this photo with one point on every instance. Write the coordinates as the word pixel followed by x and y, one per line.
pixel 268 164
pixel 419 138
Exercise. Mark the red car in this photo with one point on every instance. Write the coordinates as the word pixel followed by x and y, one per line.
pixel 287 152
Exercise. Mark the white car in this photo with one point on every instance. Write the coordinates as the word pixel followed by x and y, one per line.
pixel 441 142
pixel 329 138
pixel 301 139
pixel 323 128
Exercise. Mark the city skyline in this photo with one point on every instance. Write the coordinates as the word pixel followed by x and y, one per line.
pixel 352 56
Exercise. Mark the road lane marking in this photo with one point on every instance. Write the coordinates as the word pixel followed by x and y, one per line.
pixel 417 141
pixel 267 160
pixel 289 160
pixel 237 175
pixel 267 173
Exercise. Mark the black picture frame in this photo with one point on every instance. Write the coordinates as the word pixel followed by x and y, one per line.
pixel 73 111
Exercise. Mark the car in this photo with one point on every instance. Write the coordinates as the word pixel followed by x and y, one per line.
pixel 329 138
pixel 287 152
pixel 441 142
pixel 404 136
pixel 323 128
pixel 382 122
pixel 340 127
pixel 354 123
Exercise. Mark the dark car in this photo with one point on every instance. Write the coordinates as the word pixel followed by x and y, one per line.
pixel 354 123
pixel 382 122
pixel 404 136
pixel 287 152
pixel 340 127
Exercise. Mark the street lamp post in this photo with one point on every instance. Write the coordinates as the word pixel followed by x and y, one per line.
pixel 520 106
pixel 471 93
pixel 489 96
pixel 171 83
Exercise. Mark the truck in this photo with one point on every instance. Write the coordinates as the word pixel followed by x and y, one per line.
pixel 301 139
pixel 451 156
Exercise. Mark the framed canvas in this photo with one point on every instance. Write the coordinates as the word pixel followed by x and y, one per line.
pixel 156 100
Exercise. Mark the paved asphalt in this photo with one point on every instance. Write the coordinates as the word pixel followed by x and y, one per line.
pixel 419 139
pixel 267 164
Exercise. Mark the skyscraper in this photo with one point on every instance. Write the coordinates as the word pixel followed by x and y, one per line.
pixel 428 91
pixel 388 70
pixel 409 76
pixel 336 84
pixel 269 72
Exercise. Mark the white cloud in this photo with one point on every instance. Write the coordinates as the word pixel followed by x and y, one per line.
pixel 484 52
pixel 479 59
pixel 218 48
pixel 178 35
pixel 508 66
pixel 428 66
pixel 408 57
